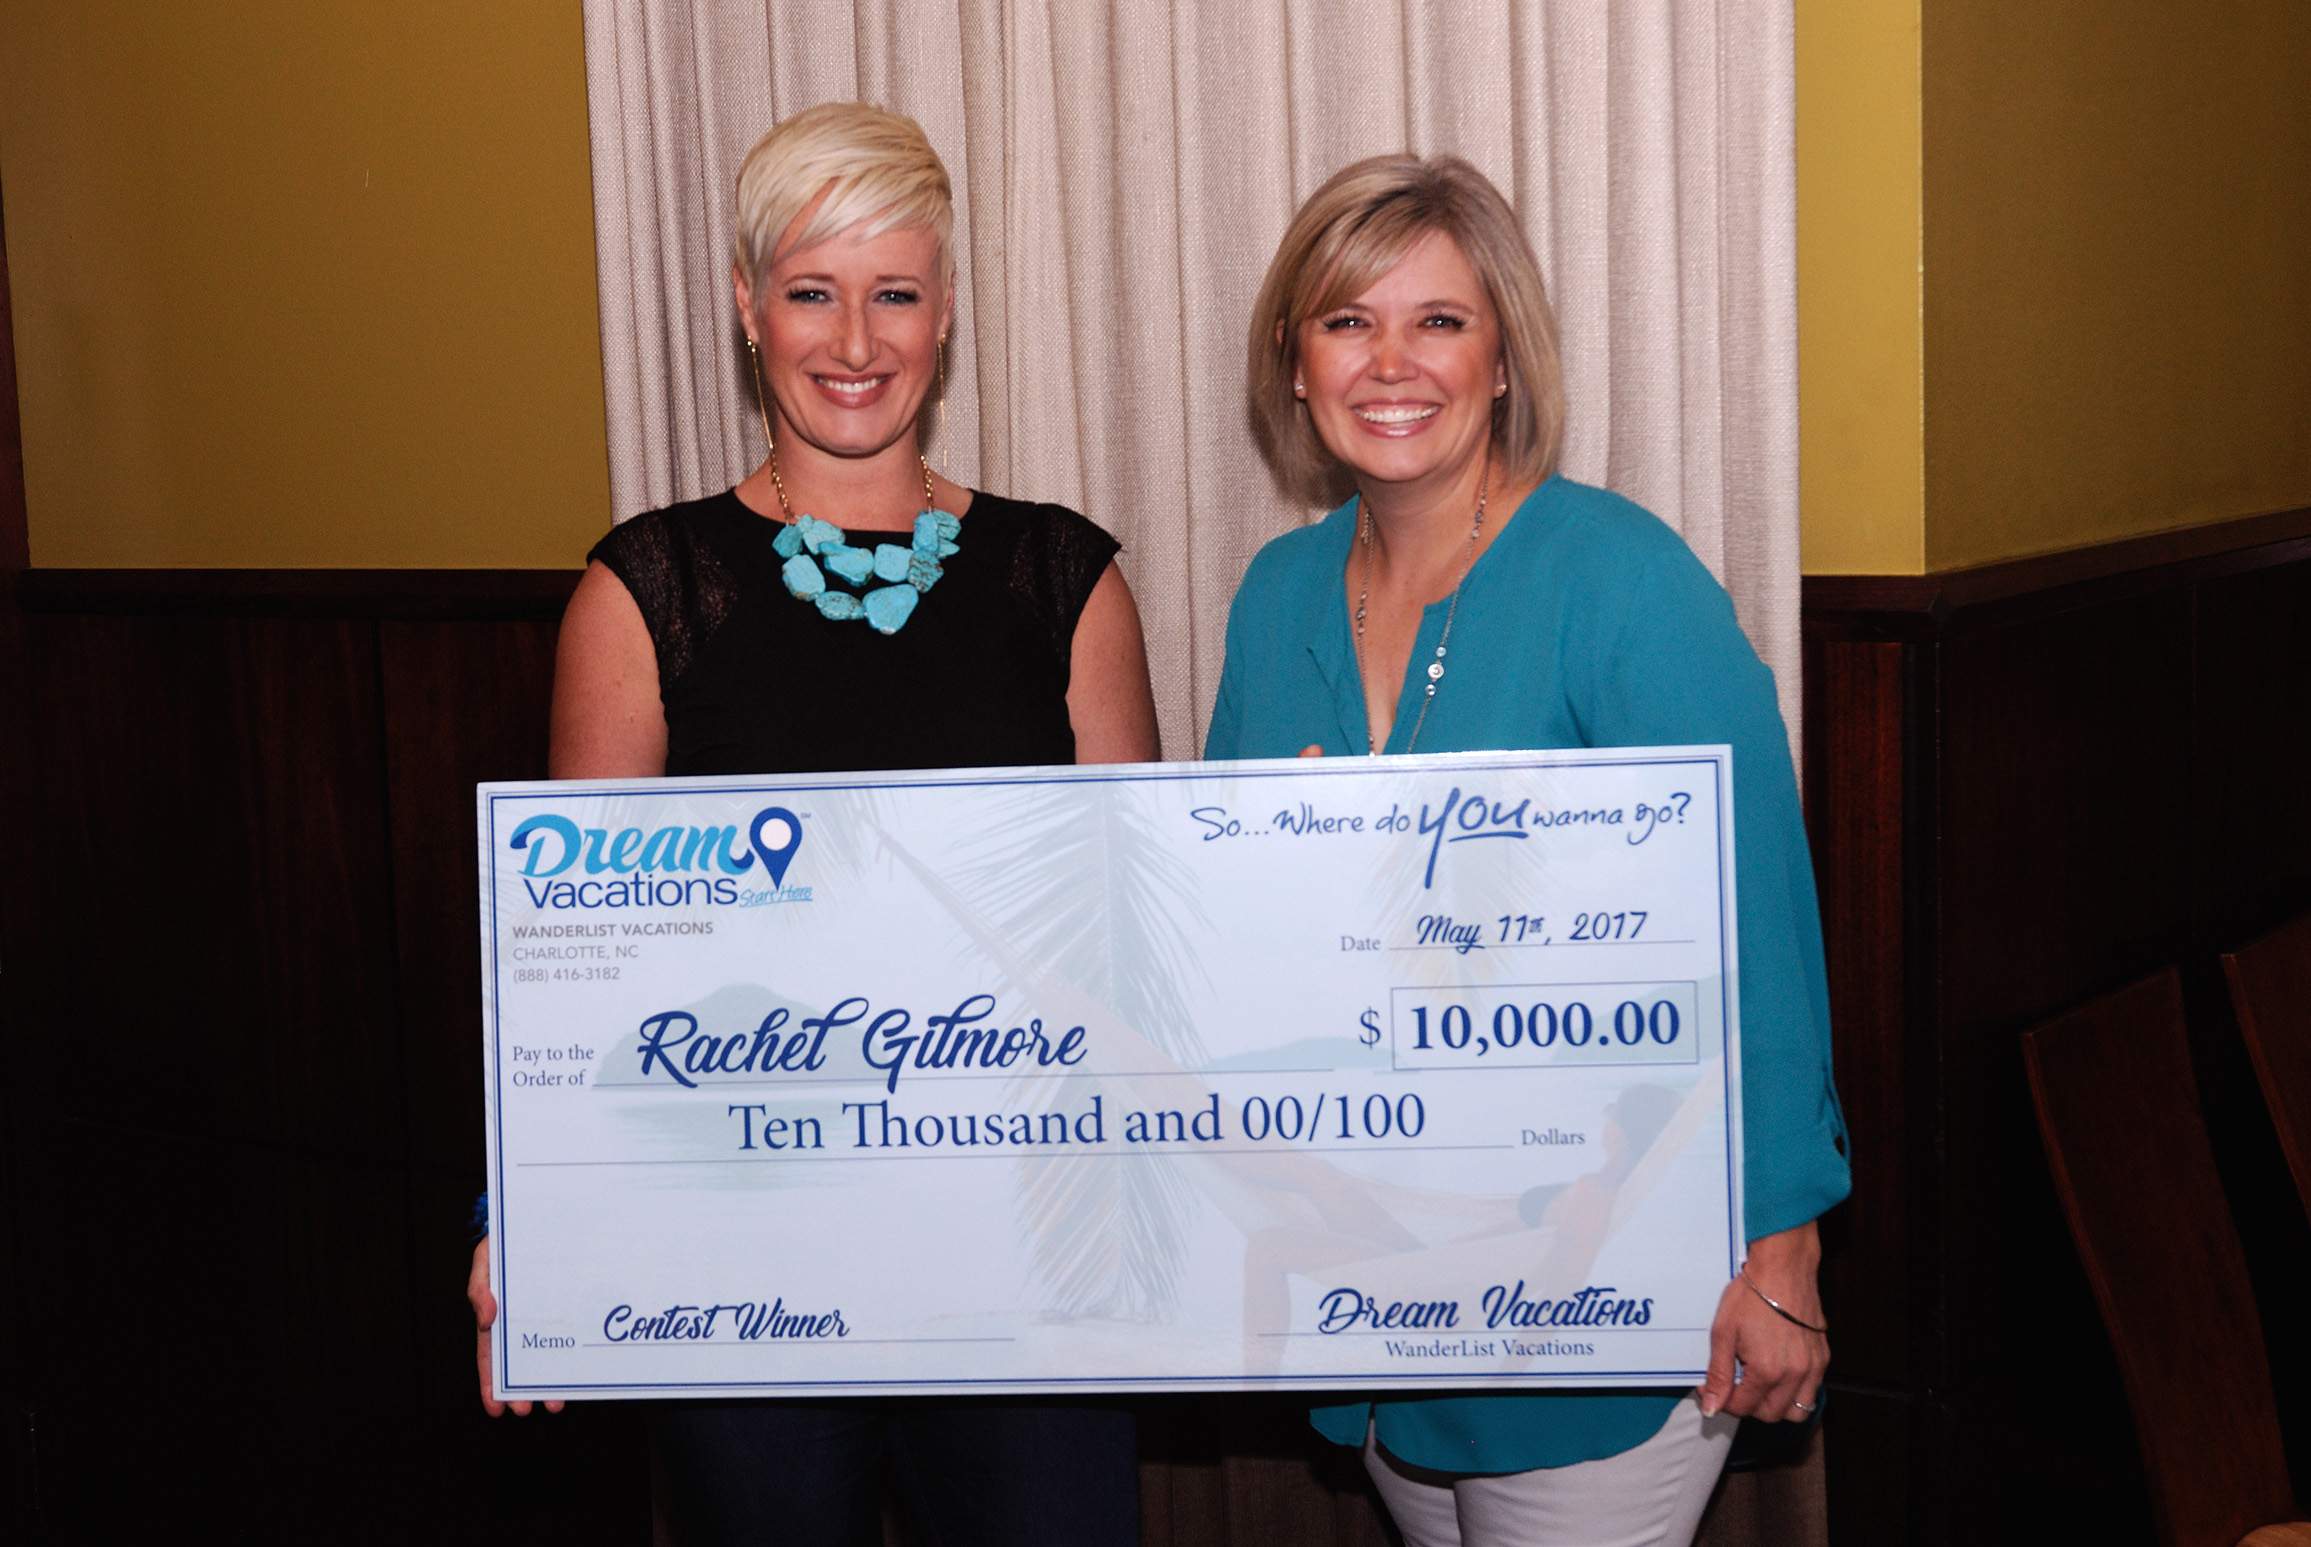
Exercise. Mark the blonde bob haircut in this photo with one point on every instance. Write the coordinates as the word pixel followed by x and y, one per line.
pixel 1356 228
pixel 878 172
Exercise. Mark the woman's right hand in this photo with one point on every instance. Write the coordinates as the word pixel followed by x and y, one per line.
pixel 485 1313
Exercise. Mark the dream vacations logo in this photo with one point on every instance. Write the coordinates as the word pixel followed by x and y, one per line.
pixel 566 867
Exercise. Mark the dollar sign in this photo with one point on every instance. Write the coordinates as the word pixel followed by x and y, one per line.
pixel 1370 1020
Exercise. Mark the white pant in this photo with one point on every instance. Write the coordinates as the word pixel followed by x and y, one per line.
pixel 1651 1496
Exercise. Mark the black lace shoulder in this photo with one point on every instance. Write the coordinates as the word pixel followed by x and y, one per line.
pixel 1056 557
pixel 671 564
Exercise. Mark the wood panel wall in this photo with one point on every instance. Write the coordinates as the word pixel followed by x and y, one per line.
pixel 241 971
pixel 2028 784
pixel 242 1123
pixel 242 1119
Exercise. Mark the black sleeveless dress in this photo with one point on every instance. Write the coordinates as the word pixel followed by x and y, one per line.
pixel 755 681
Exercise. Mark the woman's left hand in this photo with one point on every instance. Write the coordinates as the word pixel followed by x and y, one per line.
pixel 1781 1363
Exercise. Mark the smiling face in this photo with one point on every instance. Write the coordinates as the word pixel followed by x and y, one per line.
pixel 1400 381
pixel 849 331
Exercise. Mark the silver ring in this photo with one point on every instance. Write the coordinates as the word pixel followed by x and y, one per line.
pixel 1801 1407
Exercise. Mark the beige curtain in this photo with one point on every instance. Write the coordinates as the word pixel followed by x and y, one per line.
pixel 1123 171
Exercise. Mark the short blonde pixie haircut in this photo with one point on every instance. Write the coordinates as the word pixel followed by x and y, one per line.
pixel 878 171
pixel 1356 228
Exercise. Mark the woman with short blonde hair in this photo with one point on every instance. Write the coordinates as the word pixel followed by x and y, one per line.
pixel 845 607
pixel 1468 596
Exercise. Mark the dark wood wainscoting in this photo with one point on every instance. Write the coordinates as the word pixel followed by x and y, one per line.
pixel 242 1121
pixel 240 998
pixel 2028 784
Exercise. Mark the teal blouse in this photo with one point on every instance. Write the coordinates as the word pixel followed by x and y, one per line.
pixel 1587 623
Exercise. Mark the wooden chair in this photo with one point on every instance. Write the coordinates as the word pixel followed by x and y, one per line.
pixel 2271 991
pixel 2119 1112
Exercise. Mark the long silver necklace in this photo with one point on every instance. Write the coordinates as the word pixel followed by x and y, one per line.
pixel 1443 639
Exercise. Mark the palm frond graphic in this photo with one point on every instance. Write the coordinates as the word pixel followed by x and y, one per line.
pixel 1095 897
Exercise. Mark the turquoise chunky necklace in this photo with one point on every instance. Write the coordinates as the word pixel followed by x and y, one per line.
pixel 815 549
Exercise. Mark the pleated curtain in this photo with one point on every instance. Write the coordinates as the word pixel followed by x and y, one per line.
pixel 1123 171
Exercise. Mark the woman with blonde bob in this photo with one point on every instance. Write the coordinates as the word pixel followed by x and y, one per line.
pixel 1467 595
pixel 845 606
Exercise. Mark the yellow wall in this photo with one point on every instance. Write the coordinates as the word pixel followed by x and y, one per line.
pixel 310 282
pixel 303 282
pixel 1860 406
pixel 2110 251
pixel 2118 269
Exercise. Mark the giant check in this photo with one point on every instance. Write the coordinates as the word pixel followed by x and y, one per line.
pixel 1358 1073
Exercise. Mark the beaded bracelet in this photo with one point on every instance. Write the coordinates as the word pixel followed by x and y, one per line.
pixel 1778 1308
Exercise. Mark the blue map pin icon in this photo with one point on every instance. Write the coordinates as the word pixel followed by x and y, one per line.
pixel 776 834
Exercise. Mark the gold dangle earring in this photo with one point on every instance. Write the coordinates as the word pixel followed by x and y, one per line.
pixel 761 398
pixel 941 433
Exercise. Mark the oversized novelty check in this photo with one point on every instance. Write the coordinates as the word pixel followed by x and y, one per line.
pixel 1362 1073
